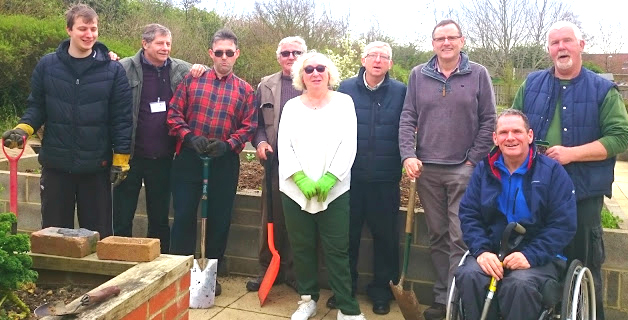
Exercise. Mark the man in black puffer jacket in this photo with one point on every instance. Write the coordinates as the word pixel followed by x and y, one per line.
pixel 84 100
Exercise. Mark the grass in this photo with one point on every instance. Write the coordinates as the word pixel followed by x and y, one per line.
pixel 609 220
pixel 8 121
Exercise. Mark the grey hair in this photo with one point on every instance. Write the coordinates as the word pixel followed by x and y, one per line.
pixel 565 24
pixel 295 39
pixel 154 29
pixel 377 44
pixel 514 112
pixel 297 70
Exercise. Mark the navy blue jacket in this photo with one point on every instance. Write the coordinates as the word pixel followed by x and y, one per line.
pixel 581 100
pixel 377 158
pixel 87 115
pixel 549 194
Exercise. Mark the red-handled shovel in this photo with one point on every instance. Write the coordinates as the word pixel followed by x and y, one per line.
pixel 13 181
pixel 273 267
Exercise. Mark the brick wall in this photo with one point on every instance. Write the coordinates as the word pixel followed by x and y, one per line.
pixel 170 304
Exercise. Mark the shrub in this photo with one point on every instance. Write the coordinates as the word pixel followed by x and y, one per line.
pixel 609 220
pixel 15 263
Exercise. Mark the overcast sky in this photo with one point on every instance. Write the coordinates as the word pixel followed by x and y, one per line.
pixel 414 20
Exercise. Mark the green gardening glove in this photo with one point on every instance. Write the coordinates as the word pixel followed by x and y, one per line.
pixel 324 184
pixel 305 184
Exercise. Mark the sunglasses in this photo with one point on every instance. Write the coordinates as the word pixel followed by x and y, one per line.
pixel 319 68
pixel 295 53
pixel 229 53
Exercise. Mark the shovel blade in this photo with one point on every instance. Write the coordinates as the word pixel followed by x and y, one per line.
pixel 272 270
pixel 55 308
pixel 203 283
pixel 407 301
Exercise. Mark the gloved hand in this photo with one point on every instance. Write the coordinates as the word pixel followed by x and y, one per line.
pixel 13 138
pixel 305 184
pixel 216 148
pixel 197 143
pixel 119 168
pixel 324 184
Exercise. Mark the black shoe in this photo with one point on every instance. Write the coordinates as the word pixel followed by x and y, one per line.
pixel 253 285
pixel 331 302
pixel 436 312
pixel 381 307
pixel 218 289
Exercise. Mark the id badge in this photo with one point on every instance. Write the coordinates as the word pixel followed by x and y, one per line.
pixel 159 106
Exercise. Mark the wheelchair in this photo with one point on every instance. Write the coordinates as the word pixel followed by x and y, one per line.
pixel 577 301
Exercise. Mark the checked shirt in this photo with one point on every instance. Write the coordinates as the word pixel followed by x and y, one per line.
pixel 215 108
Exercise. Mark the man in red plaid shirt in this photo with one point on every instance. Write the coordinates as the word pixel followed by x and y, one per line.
pixel 212 115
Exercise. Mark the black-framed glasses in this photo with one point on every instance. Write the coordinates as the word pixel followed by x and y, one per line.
pixel 219 53
pixel 295 53
pixel 448 38
pixel 319 68
pixel 381 56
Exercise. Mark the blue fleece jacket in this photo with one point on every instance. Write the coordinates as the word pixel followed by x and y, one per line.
pixel 549 195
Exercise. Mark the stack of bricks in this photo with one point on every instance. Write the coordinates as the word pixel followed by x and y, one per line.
pixel 170 304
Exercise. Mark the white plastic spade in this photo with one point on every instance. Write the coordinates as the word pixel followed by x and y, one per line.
pixel 203 276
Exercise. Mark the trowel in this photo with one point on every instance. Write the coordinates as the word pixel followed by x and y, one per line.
pixel 59 308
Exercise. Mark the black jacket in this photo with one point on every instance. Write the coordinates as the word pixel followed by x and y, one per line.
pixel 378 111
pixel 86 115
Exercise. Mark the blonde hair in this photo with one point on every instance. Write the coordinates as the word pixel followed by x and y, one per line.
pixel 297 70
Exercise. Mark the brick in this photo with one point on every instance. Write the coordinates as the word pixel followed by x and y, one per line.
pixel 183 303
pixel 171 312
pixel 185 316
pixel 138 313
pixel 184 282
pixel 162 299
pixel 75 243
pixel 612 288
pixel 623 291
pixel 128 249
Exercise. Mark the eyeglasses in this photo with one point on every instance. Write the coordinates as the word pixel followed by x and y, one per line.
pixel 295 53
pixel 219 53
pixel 449 38
pixel 375 55
pixel 319 68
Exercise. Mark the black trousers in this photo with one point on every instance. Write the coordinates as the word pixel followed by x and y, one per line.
pixel 187 176
pixel 90 193
pixel 155 173
pixel 377 204
pixel 588 245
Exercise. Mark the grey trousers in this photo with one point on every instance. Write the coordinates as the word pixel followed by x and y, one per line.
pixel 440 188
pixel 518 295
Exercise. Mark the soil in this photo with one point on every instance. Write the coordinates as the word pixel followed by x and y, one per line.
pixel 252 172
pixel 34 296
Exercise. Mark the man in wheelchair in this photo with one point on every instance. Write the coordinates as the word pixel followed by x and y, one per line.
pixel 514 184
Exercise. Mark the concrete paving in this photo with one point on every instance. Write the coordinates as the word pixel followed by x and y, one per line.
pixel 236 303
pixel 618 204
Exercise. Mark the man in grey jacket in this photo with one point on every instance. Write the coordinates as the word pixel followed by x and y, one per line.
pixel 153 77
pixel 453 115
pixel 272 94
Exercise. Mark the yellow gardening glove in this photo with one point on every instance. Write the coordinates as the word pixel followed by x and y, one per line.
pixel 120 168
pixel 15 137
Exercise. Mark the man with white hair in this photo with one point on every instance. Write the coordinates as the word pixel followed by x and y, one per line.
pixel 376 172
pixel 583 119
pixel 272 94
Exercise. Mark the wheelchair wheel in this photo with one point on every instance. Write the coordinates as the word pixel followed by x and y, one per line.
pixel 454 303
pixel 578 294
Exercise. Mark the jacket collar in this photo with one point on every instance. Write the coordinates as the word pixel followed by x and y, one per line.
pixel 463 66
pixel 99 50
pixel 496 153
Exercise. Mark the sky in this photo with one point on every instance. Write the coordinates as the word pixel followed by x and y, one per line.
pixel 409 20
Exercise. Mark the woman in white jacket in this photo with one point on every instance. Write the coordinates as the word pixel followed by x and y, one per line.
pixel 316 148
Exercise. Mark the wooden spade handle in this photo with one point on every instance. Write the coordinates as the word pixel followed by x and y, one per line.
pixel 411 202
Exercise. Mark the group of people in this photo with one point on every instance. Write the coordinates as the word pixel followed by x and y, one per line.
pixel 336 158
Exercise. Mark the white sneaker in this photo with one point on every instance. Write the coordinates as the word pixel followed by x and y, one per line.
pixel 306 309
pixel 346 317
